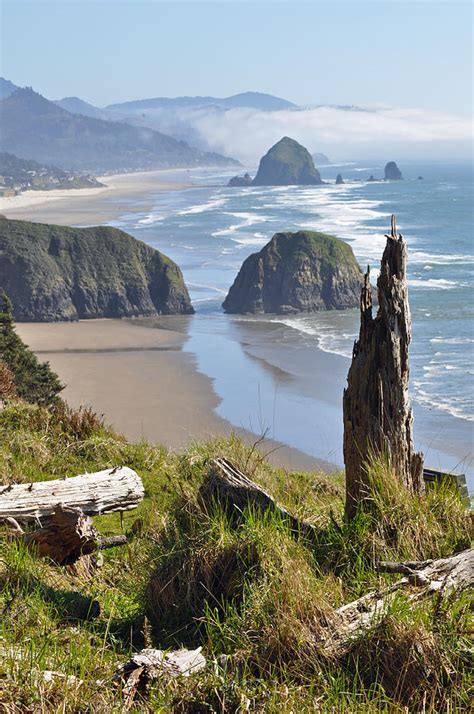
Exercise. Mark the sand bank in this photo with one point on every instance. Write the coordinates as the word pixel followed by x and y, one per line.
pixel 87 206
pixel 134 372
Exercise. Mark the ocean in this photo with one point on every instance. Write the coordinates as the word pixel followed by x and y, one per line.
pixel 284 375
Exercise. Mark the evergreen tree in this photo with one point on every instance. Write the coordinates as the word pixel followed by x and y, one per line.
pixel 34 380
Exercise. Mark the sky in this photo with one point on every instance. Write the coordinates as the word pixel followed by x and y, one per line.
pixel 407 54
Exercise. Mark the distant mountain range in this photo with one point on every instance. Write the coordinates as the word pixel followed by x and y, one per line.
pixel 251 100
pixel 140 134
pixel 33 127
pixel 74 105
pixel 6 88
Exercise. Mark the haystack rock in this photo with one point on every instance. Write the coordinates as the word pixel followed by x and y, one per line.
pixel 339 179
pixel 287 163
pixel 392 172
pixel 297 272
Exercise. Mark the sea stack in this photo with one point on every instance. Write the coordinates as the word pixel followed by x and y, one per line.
pixel 392 172
pixel 53 273
pixel 339 179
pixel 245 180
pixel 287 163
pixel 297 272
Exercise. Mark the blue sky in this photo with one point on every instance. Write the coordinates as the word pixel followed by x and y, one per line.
pixel 409 54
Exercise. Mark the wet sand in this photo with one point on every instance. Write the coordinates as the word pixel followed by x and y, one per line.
pixel 135 373
pixel 90 206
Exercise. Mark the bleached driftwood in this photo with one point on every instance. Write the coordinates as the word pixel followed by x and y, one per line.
pixel 232 489
pixel 118 489
pixel 68 535
pixel 150 664
pixel 377 413
pixel 443 576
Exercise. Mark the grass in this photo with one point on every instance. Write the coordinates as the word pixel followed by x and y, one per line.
pixel 255 597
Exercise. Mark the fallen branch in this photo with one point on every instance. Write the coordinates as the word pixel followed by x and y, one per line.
pixel 150 664
pixel 232 489
pixel 442 576
pixel 118 489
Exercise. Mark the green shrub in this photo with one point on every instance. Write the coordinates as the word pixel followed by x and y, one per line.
pixel 34 380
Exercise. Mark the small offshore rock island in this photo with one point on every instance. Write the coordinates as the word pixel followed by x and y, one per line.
pixel 304 271
pixel 55 273
pixel 287 163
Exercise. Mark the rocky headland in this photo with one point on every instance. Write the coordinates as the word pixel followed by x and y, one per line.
pixel 287 163
pixel 297 272
pixel 53 273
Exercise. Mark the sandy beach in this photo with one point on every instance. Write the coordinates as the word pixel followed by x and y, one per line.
pixel 87 206
pixel 135 373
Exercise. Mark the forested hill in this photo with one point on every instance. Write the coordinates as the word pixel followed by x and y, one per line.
pixel 34 128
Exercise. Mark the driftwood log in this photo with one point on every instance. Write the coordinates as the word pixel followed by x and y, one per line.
pixel 118 489
pixel 377 414
pixel 233 490
pixel 442 576
pixel 150 664
pixel 68 535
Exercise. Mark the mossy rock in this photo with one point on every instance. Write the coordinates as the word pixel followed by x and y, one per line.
pixel 297 272
pixel 56 273
pixel 287 163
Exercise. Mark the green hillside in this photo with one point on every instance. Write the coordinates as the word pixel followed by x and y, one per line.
pixel 34 128
pixel 60 273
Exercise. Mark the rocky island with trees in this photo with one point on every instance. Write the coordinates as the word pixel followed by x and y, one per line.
pixel 56 273
pixel 304 271
pixel 287 163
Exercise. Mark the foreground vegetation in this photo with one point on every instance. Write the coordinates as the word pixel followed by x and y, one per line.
pixel 249 590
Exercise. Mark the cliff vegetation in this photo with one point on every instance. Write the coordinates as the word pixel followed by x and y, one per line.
pixel 59 273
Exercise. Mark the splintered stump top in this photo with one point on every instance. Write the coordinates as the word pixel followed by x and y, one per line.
pixel 377 414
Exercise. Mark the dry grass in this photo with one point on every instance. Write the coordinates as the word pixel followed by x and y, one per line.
pixel 7 382
pixel 247 589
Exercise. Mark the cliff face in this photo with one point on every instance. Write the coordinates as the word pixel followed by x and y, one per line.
pixel 297 272
pixel 56 273
pixel 287 163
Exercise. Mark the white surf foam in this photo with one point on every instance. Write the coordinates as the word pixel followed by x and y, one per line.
pixel 245 221
pixel 211 205
pixel 151 218
pixel 452 341
pixel 418 256
pixel 435 284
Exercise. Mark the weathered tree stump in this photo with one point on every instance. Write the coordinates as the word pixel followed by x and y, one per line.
pixel 118 489
pixel 377 414
pixel 68 535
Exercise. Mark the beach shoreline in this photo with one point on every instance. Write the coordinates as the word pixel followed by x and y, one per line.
pixel 135 373
pixel 90 206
